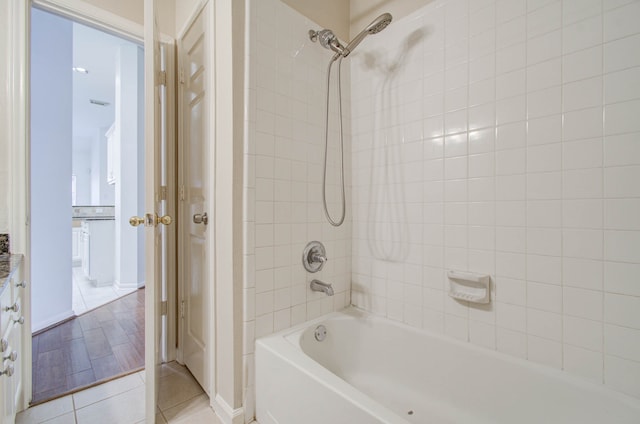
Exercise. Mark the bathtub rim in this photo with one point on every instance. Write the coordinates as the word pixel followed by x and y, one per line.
pixel 289 341
pixel 277 344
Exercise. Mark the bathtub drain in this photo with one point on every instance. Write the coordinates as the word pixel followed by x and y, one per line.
pixel 320 333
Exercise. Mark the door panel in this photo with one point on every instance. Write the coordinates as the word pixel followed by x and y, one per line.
pixel 154 270
pixel 194 172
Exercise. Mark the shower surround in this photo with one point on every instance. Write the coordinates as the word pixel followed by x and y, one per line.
pixel 283 162
pixel 502 137
pixel 498 137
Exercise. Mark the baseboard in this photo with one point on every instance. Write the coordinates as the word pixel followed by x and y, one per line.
pixel 126 286
pixel 40 326
pixel 226 413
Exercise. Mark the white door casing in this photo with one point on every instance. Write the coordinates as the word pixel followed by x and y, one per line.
pixel 195 227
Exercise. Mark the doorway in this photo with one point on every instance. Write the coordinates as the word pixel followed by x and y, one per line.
pixel 87 179
pixel 18 24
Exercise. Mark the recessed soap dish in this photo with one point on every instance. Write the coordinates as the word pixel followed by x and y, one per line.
pixel 470 286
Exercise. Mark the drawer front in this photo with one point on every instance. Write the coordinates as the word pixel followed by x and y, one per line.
pixel 5 315
pixel 16 284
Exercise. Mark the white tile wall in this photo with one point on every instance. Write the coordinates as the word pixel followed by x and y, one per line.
pixel 284 150
pixel 527 168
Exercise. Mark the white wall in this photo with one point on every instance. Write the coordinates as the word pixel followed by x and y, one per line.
pixel 283 171
pixel 512 148
pixel 51 111
pixel 5 170
pixel 362 12
pixel 332 14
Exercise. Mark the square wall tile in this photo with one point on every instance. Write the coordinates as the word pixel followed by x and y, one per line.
pixel 622 375
pixel 622 310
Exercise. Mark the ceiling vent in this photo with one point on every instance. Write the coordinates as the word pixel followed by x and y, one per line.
pixel 99 102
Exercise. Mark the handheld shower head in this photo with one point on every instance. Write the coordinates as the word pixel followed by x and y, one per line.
pixel 378 24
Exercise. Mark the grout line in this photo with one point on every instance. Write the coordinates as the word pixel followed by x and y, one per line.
pixel 602 197
pixel 526 203
pixel 562 144
pixel 75 411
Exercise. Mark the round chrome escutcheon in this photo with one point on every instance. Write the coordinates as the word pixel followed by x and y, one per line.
pixel 320 333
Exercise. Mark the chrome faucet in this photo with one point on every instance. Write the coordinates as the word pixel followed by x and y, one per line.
pixel 314 256
pixel 318 257
pixel 319 286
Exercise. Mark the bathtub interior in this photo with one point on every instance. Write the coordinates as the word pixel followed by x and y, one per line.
pixel 422 376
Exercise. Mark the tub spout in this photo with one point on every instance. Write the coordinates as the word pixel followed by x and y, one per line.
pixel 319 286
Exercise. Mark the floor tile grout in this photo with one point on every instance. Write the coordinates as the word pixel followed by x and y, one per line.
pixel 191 384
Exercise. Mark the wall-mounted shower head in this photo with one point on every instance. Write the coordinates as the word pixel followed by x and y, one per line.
pixel 378 24
pixel 327 39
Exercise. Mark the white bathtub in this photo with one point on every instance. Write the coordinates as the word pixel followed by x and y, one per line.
pixel 371 370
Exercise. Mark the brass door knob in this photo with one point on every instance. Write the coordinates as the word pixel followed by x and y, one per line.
pixel 150 220
pixel 134 221
pixel 164 220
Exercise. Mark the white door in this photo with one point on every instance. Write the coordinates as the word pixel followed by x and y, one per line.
pixel 196 223
pixel 155 266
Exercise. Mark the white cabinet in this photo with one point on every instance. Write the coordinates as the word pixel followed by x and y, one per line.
pixel 98 243
pixel 111 154
pixel 12 351
pixel 76 246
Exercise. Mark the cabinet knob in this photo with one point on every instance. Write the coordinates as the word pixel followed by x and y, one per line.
pixel 19 320
pixel 23 284
pixel 15 307
pixel 7 371
pixel 12 357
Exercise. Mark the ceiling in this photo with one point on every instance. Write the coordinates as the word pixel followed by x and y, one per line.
pixel 97 52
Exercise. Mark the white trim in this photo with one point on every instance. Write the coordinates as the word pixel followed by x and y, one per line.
pixel 80 11
pixel 126 286
pixel 53 320
pixel 192 17
pixel 171 203
pixel 227 414
pixel 18 51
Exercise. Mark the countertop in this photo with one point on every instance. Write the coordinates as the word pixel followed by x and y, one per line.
pixel 93 218
pixel 8 265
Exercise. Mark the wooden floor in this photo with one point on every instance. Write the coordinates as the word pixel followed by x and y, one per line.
pixel 96 346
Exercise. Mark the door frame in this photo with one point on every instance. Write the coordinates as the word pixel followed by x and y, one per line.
pixel 228 20
pixel 17 123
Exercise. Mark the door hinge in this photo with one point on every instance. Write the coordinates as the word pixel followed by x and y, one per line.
pixel 182 309
pixel 181 76
pixel 163 192
pixel 182 197
pixel 164 307
pixel 162 78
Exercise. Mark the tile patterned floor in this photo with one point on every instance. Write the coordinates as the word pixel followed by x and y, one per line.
pixel 87 296
pixel 97 346
pixel 121 401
